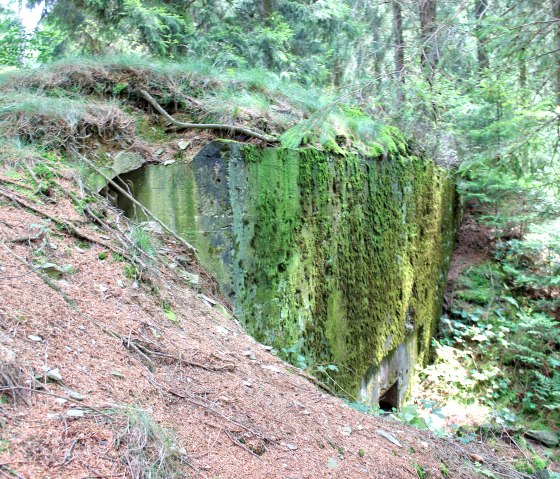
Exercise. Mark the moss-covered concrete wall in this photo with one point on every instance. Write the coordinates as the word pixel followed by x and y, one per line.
pixel 332 259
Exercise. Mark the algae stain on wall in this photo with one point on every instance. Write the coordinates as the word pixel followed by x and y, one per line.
pixel 336 258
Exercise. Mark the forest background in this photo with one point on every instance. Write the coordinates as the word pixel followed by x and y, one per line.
pixel 474 84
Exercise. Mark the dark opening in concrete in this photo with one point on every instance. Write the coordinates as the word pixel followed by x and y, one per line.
pixel 390 398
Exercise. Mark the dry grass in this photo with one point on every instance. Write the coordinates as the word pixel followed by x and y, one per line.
pixel 13 385
pixel 147 449
pixel 57 122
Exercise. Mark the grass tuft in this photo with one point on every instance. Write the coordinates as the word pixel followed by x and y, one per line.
pixel 148 450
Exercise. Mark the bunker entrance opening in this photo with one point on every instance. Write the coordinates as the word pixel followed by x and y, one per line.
pixel 389 400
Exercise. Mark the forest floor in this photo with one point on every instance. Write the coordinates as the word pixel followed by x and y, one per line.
pixel 473 246
pixel 103 376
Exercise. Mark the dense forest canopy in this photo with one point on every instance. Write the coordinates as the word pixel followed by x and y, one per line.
pixel 474 84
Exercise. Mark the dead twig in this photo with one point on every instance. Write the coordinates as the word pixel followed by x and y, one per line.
pixel 68 455
pixel 46 393
pixel 69 227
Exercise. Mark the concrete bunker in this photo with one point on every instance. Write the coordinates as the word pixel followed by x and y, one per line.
pixel 323 255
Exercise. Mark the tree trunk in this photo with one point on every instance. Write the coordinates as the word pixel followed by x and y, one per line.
pixel 481 7
pixel 556 18
pixel 266 8
pixel 429 53
pixel 399 49
pixel 523 70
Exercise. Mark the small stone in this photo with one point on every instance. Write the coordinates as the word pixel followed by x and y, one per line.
pixel 53 374
pixel 476 458
pixel 34 338
pixel 207 300
pixel 291 447
pixel 7 355
pixel 102 288
pixel 248 383
pixel 268 348
pixel 120 283
pixel 194 279
pixel 79 250
pixel 117 374
pixel 249 354
pixel 76 395
pixel 183 144
pixel 81 327
pixel 53 416
pixel 75 413
pixel 389 437
pixel 546 437
pixel 55 271
pixel 306 412
pixel 168 162
pixel 159 151
pixel 221 330
pixel 61 400
pixel 332 463
pixel 346 430
pixel 270 367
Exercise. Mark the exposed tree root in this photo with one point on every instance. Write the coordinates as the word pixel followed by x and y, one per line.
pixel 204 126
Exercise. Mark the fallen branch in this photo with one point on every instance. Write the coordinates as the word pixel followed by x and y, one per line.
pixel 204 126
pixel 70 228
pixel 241 445
pixel 145 352
pixel 3 179
pixel 145 210
pixel 211 409
pixel 27 239
pixel 45 393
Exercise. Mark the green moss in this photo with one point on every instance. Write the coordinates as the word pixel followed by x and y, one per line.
pixel 338 252
pixel 332 257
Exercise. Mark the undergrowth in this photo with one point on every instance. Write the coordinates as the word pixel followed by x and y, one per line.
pixel 499 343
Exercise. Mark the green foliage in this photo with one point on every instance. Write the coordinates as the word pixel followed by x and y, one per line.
pixel 143 240
pixel 428 416
pixel 169 313
pixel 19 47
pixel 499 346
